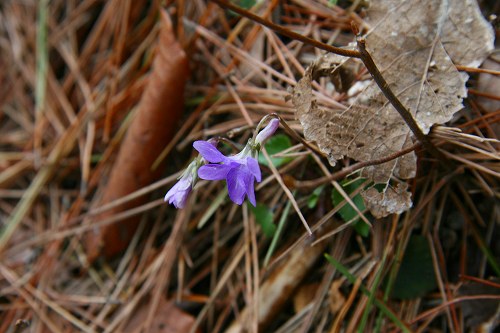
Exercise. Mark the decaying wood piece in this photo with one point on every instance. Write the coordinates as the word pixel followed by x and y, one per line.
pixel 279 286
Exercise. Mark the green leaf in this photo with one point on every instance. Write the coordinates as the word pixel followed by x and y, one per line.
pixel 264 216
pixel 247 4
pixel 361 228
pixel 416 273
pixel 274 145
pixel 347 212
pixel 279 231
pixel 312 201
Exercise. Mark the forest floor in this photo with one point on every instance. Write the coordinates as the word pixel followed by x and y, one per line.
pixel 100 104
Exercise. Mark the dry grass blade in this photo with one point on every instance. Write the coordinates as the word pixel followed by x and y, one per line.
pixel 61 149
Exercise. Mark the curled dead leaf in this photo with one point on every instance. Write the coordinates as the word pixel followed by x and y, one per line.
pixel 341 70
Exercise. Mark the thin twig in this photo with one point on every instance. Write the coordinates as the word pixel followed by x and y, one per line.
pixel 484 94
pixel 396 103
pixel 477 70
pixel 297 137
pixel 287 32
pixel 345 172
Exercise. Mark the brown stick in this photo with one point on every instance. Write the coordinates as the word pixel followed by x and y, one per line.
pixel 477 70
pixel 402 110
pixel 345 172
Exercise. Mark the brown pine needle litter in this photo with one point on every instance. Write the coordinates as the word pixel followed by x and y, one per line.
pixel 100 102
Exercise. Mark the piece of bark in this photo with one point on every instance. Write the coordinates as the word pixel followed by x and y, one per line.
pixel 278 288
pixel 158 113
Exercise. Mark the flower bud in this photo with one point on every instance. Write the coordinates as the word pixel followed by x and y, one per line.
pixel 268 131
pixel 180 192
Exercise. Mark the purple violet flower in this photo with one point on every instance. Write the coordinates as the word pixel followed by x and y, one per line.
pixel 180 192
pixel 240 171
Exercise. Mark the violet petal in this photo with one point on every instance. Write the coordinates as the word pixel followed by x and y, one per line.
pixel 171 193
pixel 254 168
pixel 214 171
pixel 268 131
pixel 251 192
pixel 179 193
pixel 208 151
pixel 237 180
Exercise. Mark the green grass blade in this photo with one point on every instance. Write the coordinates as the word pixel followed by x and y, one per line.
pixel 279 229
pixel 382 307
pixel 371 297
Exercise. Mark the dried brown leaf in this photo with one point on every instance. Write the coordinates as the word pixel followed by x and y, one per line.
pixel 459 25
pixel 154 124
pixel 393 200
pixel 415 45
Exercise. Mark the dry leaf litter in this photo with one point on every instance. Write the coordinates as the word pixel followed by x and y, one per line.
pixel 415 45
